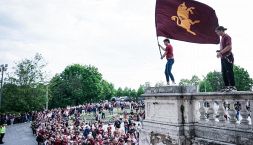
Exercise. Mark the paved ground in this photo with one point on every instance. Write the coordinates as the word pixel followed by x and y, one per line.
pixel 19 134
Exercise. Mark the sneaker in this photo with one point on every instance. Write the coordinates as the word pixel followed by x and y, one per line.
pixel 232 89
pixel 168 83
pixel 173 84
pixel 226 89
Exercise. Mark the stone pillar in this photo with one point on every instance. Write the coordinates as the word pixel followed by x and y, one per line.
pixel 244 112
pixel 251 111
pixel 202 111
pixel 210 111
pixel 221 111
pixel 232 111
pixel 169 116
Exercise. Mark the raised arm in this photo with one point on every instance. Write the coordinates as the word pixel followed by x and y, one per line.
pixel 164 54
pixel 162 47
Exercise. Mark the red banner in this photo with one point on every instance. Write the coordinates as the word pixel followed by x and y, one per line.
pixel 186 20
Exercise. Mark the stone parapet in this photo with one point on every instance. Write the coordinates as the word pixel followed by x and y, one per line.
pixel 171 89
pixel 181 115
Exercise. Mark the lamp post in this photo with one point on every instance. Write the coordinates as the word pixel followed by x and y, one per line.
pixel 3 68
pixel 47 97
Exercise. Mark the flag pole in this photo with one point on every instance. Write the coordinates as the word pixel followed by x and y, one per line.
pixel 157 33
pixel 159 47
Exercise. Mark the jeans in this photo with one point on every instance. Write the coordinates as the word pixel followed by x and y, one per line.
pixel 168 68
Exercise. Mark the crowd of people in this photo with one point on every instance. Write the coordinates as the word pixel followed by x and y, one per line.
pixel 113 123
pixel 10 118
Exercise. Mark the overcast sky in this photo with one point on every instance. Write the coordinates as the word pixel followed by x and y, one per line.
pixel 116 36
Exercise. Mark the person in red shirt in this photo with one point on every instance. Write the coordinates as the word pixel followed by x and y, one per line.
pixel 170 60
pixel 227 59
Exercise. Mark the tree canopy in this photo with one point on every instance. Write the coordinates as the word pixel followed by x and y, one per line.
pixel 24 89
pixel 77 84
pixel 213 81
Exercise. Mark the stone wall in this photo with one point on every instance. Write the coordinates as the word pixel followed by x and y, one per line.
pixel 178 115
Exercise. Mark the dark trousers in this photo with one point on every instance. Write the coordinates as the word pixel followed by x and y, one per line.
pixel 168 68
pixel 227 72
pixel 103 115
pixel 1 137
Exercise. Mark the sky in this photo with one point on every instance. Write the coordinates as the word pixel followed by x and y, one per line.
pixel 116 36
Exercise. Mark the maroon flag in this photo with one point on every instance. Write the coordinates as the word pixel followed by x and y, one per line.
pixel 186 20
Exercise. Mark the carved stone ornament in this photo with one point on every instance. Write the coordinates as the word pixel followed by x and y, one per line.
pixel 161 139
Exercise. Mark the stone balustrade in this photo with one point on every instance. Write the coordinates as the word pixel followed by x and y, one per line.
pixel 230 108
pixel 190 117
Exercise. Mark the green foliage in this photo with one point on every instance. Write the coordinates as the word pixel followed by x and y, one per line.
pixel 194 81
pixel 79 84
pixel 140 90
pixel 132 93
pixel 126 91
pixel 23 99
pixel 205 86
pixel 28 72
pixel 108 90
pixel 76 85
pixel 243 82
pixel 57 93
pixel 24 89
pixel 120 92
pixel 214 81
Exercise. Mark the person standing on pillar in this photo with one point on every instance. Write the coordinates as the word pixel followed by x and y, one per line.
pixel 227 59
pixel 170 61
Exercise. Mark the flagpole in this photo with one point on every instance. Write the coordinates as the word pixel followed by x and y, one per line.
pixel 159 47
pixel 157 33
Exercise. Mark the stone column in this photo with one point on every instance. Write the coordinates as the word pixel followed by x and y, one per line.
pixel 211 112
pixel 221 111
pixel 232 111
pixel 251 111
pixel 244 112
pixel 202 111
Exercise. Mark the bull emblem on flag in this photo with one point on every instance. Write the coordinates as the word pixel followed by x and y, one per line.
pixel 182 19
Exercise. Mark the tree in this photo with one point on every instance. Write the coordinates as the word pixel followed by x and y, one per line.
pixel 119 92
pixel 132 94
pixel 57 94
pixel 205 86
pixel 108 90
pixel 243 82
pixel 29 72
pixel 214 82
pixel 126 91
pixel 24 90
pixel 76 85
pixel 194 81
pixel 140 90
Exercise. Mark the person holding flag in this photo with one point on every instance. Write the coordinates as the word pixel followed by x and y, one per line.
pixel 184 20
pixel 170 61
